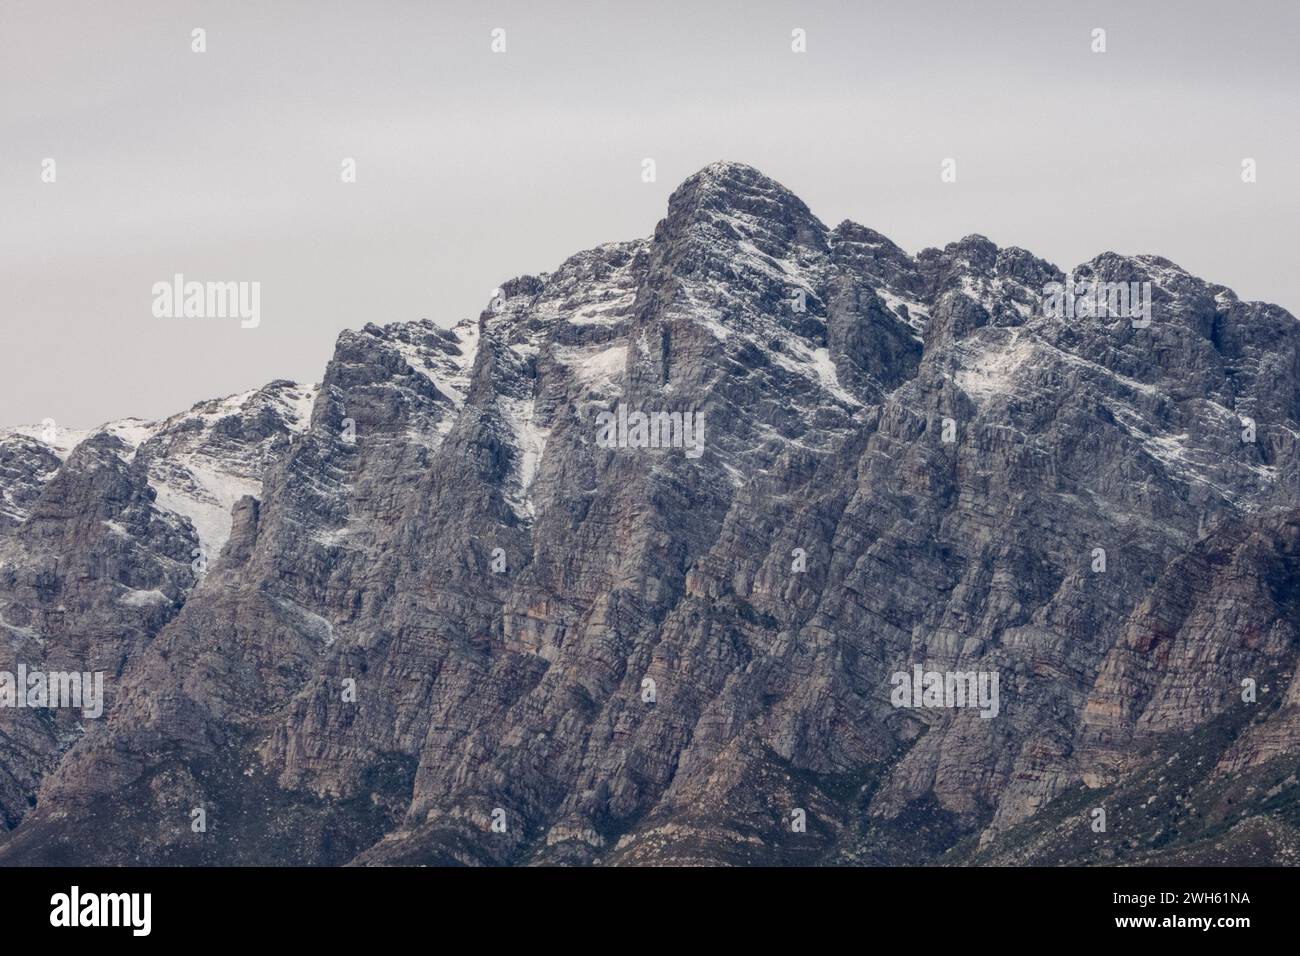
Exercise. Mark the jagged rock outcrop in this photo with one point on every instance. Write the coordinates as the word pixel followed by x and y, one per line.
pixel 444 622
pixel 105 543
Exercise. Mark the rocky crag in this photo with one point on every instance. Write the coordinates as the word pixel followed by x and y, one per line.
pixel 421 614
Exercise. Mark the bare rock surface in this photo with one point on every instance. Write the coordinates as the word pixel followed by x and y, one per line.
pixel 438 622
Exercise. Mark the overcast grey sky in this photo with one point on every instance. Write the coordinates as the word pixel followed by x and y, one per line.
pixel 473 167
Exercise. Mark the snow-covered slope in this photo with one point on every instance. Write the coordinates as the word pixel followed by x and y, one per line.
pixel 200 461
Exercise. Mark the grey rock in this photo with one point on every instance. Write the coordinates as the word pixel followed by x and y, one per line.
pixel 443 604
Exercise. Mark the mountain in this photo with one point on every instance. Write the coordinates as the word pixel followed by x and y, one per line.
pixel 441 620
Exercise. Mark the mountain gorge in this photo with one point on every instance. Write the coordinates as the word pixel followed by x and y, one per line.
pixel 418 614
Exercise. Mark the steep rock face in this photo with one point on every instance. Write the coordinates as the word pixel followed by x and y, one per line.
pixel 105 542
pixel 91 573
pixel 26 464
pixel 204 460
pixel 449 624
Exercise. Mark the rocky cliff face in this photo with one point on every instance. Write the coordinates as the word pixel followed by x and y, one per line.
pixel 441 620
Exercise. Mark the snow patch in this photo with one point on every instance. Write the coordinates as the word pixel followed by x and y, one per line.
pixel 139 598
pixel 829 376
pixel 992 372
pixel 598 371
pixel 917 314
pixel 29 633
pixel 449 373
pixel 193 487
pixel 296 406
pixel 529 440
pixel 60 441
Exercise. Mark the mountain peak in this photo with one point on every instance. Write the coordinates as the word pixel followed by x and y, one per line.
pixel 724 180
pixel 737 199
pixel 726 169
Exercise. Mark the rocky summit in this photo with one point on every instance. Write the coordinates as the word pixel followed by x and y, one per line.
pixel 755 541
